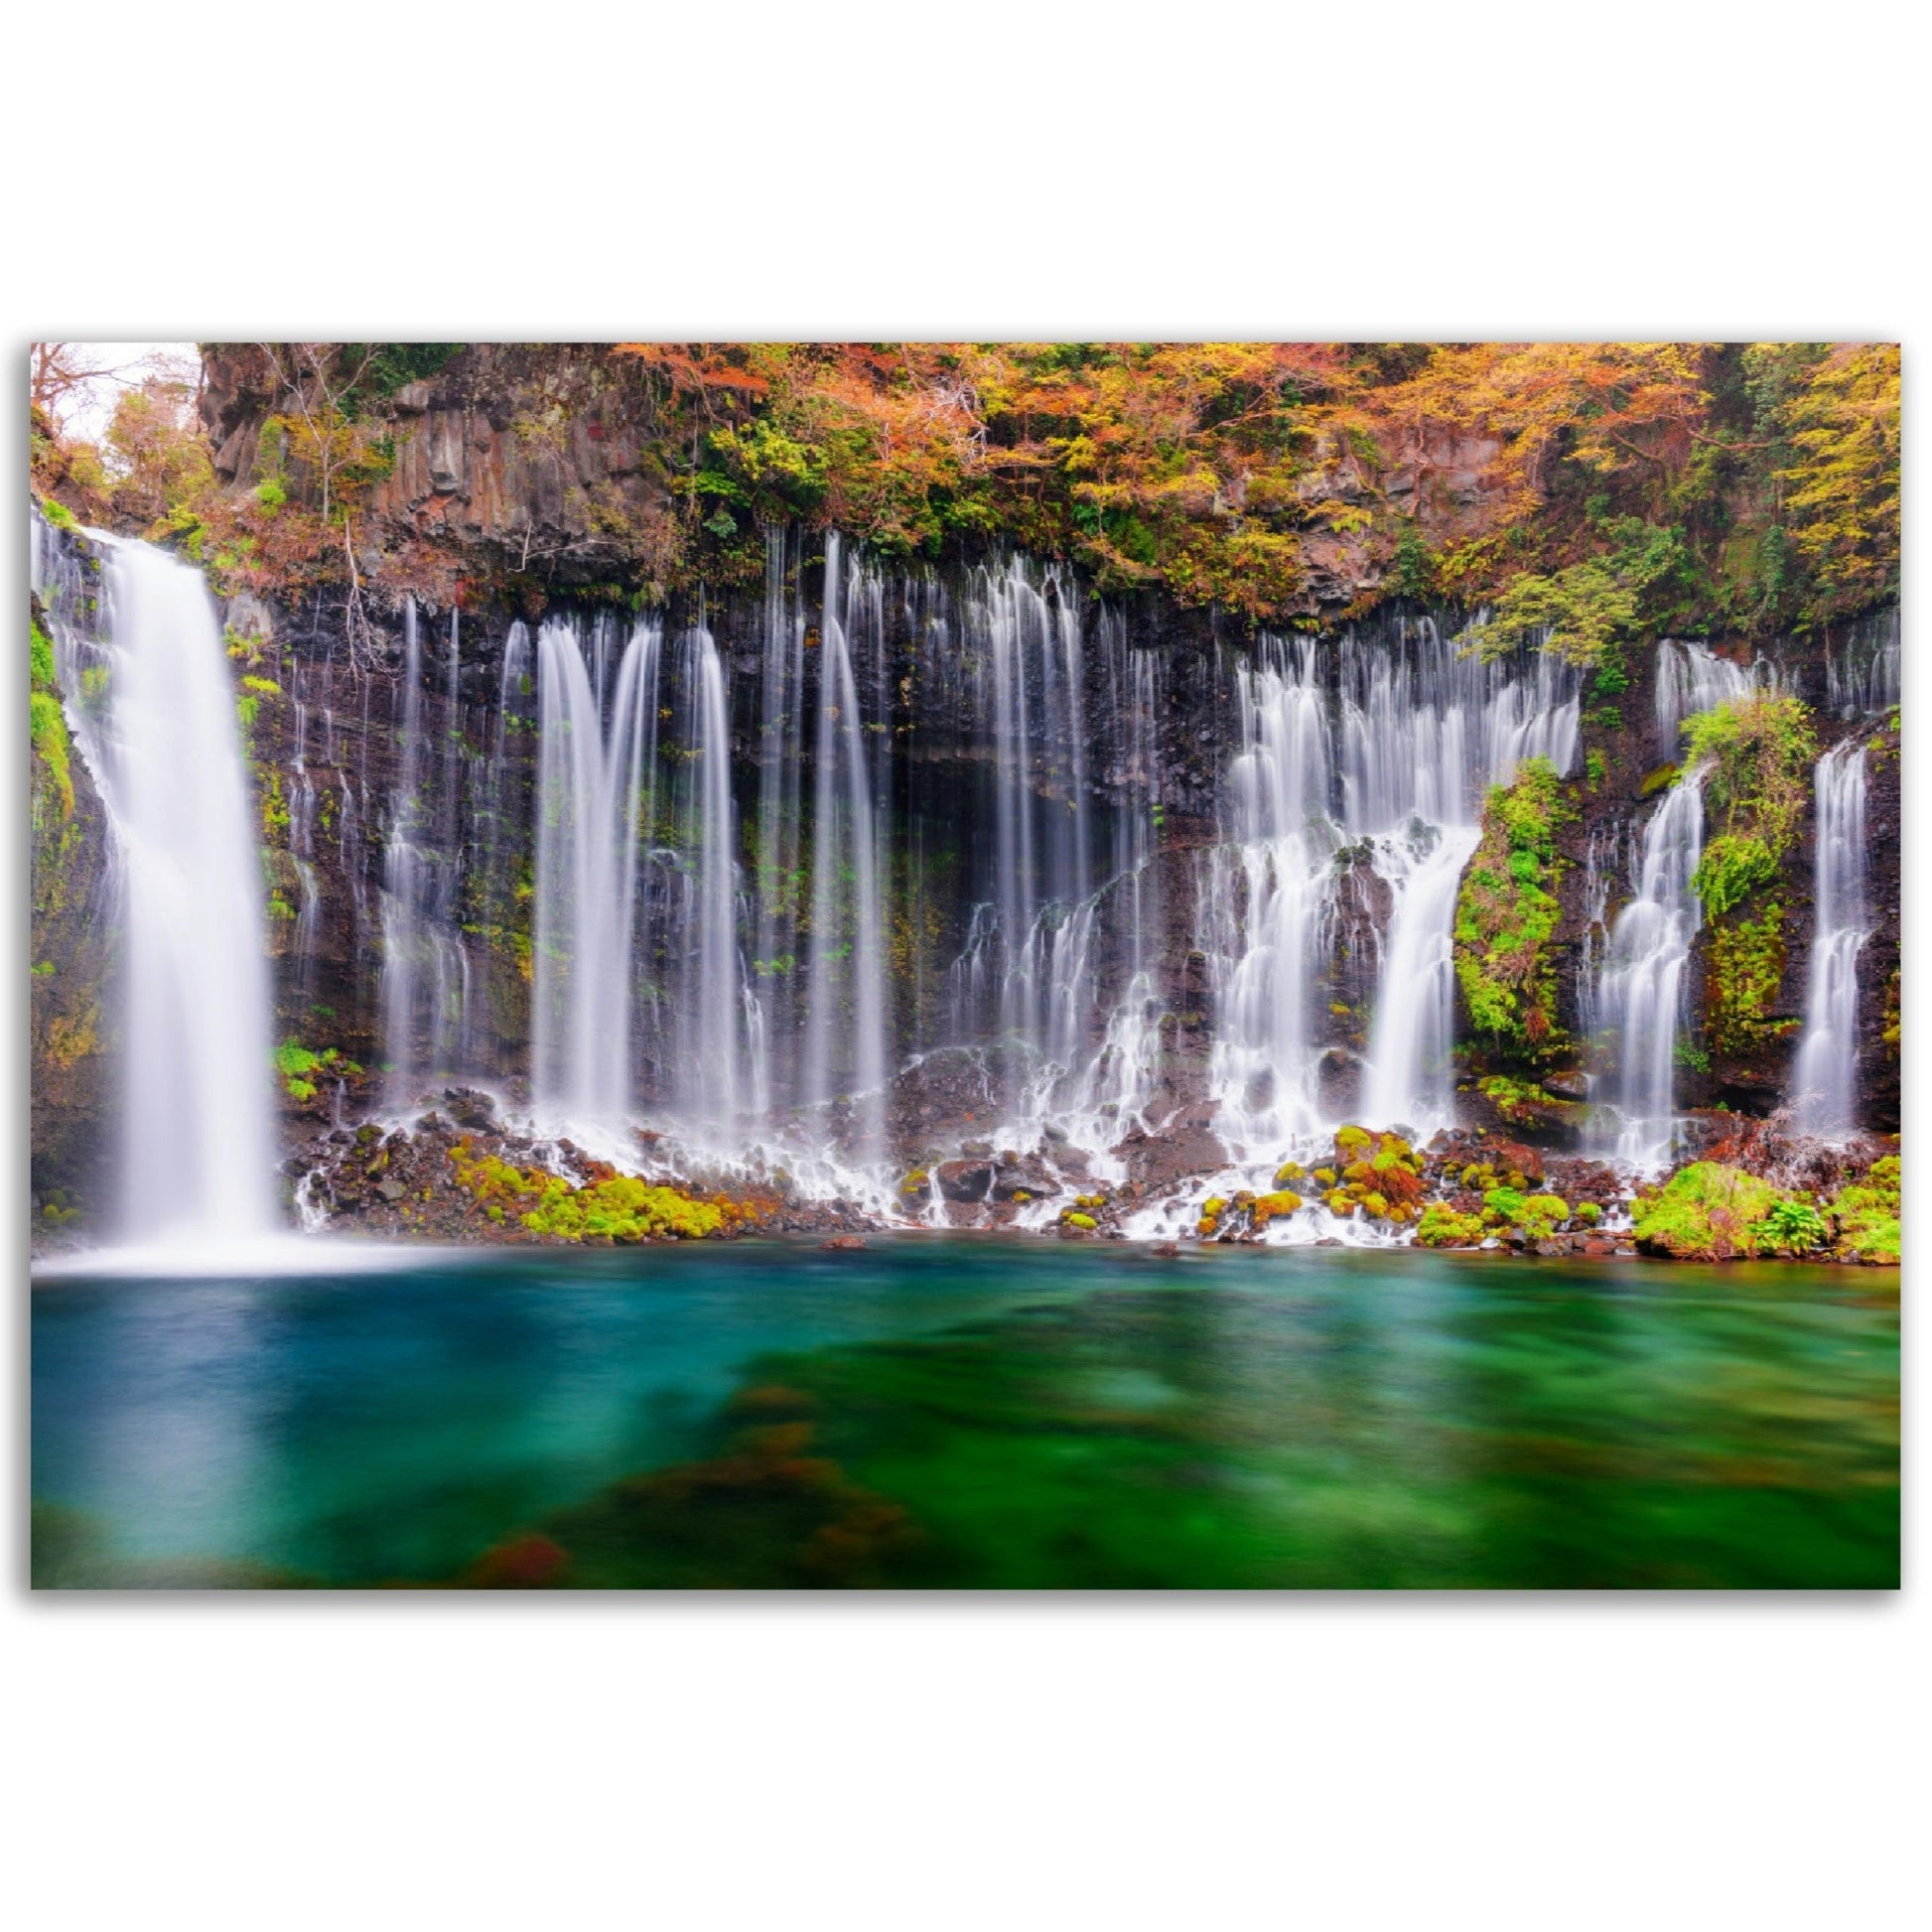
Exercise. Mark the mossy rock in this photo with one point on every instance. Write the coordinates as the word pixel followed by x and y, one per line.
pixel 1707 1211
pixel 1867 1214
pixel 1440 1226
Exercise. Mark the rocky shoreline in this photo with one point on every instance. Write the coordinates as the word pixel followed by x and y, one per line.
pixel 462 1172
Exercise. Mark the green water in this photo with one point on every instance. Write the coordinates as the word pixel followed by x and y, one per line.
pixel 961 1412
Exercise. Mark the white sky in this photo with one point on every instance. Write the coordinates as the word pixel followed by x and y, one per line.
pixel 87 413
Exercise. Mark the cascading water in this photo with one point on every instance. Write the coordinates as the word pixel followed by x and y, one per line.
pixel 1862 666
pixel 165 756
pixel 844 1052
pixel 1825 1077
pixel 1422 730
pixel 1411 1080
pixel 1691 677
pixel 595 765
pixel 425 994
pixel 917 819
pixel 1639 995
pixel 1266 900
pixel 713 989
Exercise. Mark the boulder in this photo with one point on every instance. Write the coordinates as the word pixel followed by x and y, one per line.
pixel 965 1181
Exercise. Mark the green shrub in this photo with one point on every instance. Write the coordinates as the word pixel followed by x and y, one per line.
pixel 1585 612
pixel 1796 1226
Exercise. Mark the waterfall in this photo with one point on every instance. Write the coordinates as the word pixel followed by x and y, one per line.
pixel 1861 670
pixel 402 877
pixel 199 1145
pixel 1638 999
pixel 1410 1074
pixel 1427 729
pixel 1421 729
pixel 714 993
pixel 1030 944
pixel 425 994
pixel 1113 1090
pixel 918 816
pixel 592 779
pixel 846 1036
pixel 1268 900
pixel 1825 1074
pixel 1691 677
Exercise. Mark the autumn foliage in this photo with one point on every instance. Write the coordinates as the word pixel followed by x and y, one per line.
pixel 1588 493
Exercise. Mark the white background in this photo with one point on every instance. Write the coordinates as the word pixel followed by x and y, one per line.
pixel 989 171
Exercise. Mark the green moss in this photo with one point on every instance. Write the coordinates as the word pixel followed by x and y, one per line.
pixel 624 1209
pixel 1757 755
pixel 616 1208
pixel 1507 913
pixel 58 513
pixel 1759 752
pixel 296 1062
pixel 46 721
pixel 1707 1211
pixel 1734 866
pixel 1506 1203
pixel 1746 968
pixel 1865 1214
pixel 1515 1100
pixel 1440 1226
pixel 48 733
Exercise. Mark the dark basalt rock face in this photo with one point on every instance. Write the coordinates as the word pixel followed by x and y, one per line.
pixel 74 1027
pixel 1880 980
